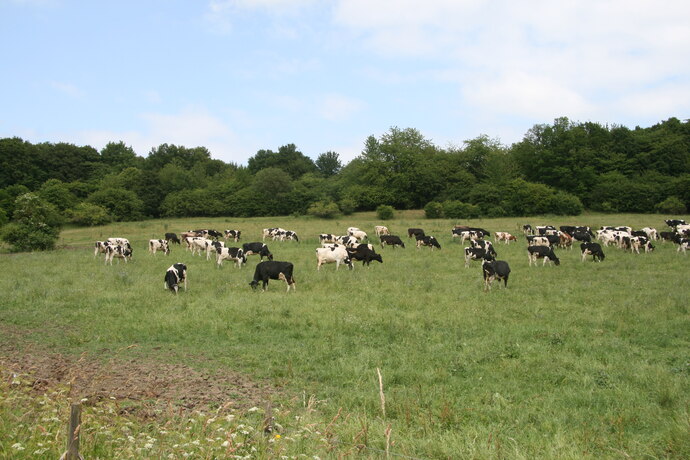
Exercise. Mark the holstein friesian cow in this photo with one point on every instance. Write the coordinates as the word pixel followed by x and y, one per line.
pixel 117 252
pixel 176 275
pixel 534 240
pixel 486 245
pixel 172 238
pixel 527 229
pixel 337 255
pixel 124 242
pixel 493 269
pixel 683 245
pixel 325 238
pixel 391 240
pixel 100 247
pixel 467 228
pixel 349 241
pixel 546 230
pixel 473 254
pixel 415 232
pixel 467 234
pixel 282 235
pixel 274 270
pixel 542 252
pixel 234 254
pixel 364 253
pixel 257 248
pixel 592 249
pixel 429 241
pixel 673 223
pixel 381 230
pixel 270 232
pixel 360 235
pixel 234 234
pixel 159 245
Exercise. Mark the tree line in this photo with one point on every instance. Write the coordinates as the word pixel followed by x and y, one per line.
pixel 560 168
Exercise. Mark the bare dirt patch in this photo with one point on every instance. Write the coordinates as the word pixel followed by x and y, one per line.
pixel 152 386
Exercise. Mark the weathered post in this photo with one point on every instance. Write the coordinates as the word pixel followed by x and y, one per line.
pixel 72 452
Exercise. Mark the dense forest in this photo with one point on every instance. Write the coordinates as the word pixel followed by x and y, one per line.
pixel 561 168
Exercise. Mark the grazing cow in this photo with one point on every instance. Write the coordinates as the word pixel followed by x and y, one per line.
pixel 118 252
pixel 484 244
pixel 124 242
pixel 273 270
pixel 467 234
pixel 493 269
pixel 199 244
pixel 364 253
pixel 391 240
pixel 235 254
pixel 234 234
pixel 360 235
pixel 270 232
pixel 473 229
pixel 542 252
pixel 651 233
pixel 351 230
pixel 325 238
pixel 282 235
pixel 673 223
pixel 504 236
pixel 172 238
pixel 534 240
pixel 214 234
pixel 592 249
pixel 668 236
pixel 100 247
pixel 637 242
pixel 415 232
pixel 527 229
pixel 546 230
pixel 174 276
pixel 566 241
pixel 337 255
pixel 259 249
pixel 683 245
pixel 473 254
pixel 581 236
pixel 349 241
pixel 159 245
pixel 381 230
pixel 428 241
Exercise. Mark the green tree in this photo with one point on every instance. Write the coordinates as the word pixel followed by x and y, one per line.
pixel 88 214
pixel 328 164
pixel 57 193
pixel 385 212
pixel 123 205
pixel 35 225
pixel 288 158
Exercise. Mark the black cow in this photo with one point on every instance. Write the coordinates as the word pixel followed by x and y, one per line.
pixel 473 254
pixel 493 269
pixel 257 248
pixel 273 270
pixel 542 252
pixel 363 253
pixel 172 238
pixel 392 240
pixel 581 236
pixel 429 241
pixel 176 275
pixel 416 232
pixel 593 249
pixel 669 236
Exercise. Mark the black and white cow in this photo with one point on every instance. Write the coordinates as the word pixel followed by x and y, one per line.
pixel 326 238
pixel 543 230
pixel 364 253
pixel 486 245
pixel 381 230
pixel 257 248
pixel 473 254
pixel 542 252
pixel 534 240
pixel 592 249
pixel 527 229
pixel 391 240
pixel 579 235
pixel 117 252
pixel 416 232
pixel 673 223
pixel 100 247
pixel 159 245
pixel 234 254
pixel 274 270
pixel 172 238
pixel 176 275
pixel 282 235
pixel 234 234
pixel 429 241
pixel 338 255
pixel 493 269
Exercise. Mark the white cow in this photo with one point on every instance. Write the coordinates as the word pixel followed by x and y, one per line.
pixel 159 245
pixel 381 230
pixel 337 255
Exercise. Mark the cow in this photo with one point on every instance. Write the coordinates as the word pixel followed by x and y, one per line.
pixel 534 240
pixel 467 234
pixel 172 238
pixel 542 252
pixel 214 234
pixel 668 236
pixel 566 241
pixel 473 254
pixel 391 240
pixel 270 232
pixel 484 244
pixel 493 269
pixel 651 233
pixel 415 232
pixel 282 235
pixel 234 234
pixel 579 235
pixel 592 249
pixel 673 223
pixel 381 230
pixel 257 248
pixel 683 245
pixel 118 252
pixel 504 236
pixel 174 276
pixel 364 253
pixel 235 254
pixel 159 245
pixel 199 244
pixel 100 247
pixel 124 242
pixel 527 229
pixel 274 270
pixel 473 229
pixel 360 235
pixel 189 234
pixel 546 230
pixel 350 230
pixel 337 255
pixel 325 238
pixel 349 241
pixel 428 241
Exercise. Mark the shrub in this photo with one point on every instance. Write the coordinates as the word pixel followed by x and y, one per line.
pixel 347 206
pixel 671 205
pixel 88 214
pixel 35 226
pixel 453 209
pixel 433 210
pixel 123 205
pixel 323 209
pixel 385 212
pixel 565 204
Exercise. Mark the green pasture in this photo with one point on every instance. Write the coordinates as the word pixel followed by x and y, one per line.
pixel 584 360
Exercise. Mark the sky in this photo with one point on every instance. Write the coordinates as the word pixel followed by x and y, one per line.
pixel 238 76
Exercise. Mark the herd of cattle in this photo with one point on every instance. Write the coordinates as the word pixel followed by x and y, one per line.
pixel 344 249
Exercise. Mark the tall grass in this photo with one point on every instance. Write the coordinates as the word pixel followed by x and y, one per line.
pixel 581 360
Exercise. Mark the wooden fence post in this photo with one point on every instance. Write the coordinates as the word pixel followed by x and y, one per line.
pixel 72 452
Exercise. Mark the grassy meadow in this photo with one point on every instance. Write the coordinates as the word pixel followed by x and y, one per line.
pixel 584 360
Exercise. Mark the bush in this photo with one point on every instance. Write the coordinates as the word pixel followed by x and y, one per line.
pixel 671 205
pixel 35 226
pixel 453 209
pixel 122 205
pixel 88 214
pixel 565 204
pixel 347 206
pixel 324 210
pixel 433 210
pixel 385 212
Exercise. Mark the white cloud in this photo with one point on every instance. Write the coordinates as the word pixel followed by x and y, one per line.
pixel 336 107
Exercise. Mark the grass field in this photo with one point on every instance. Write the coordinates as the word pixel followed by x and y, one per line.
pixel 584 360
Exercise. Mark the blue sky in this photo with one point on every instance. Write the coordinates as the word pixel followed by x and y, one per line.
pixel 237 76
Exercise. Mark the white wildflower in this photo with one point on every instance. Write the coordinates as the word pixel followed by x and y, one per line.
pixel 253 409
pixel 229 417
pixel 225 443
pixel 196 442
pixel 18 446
